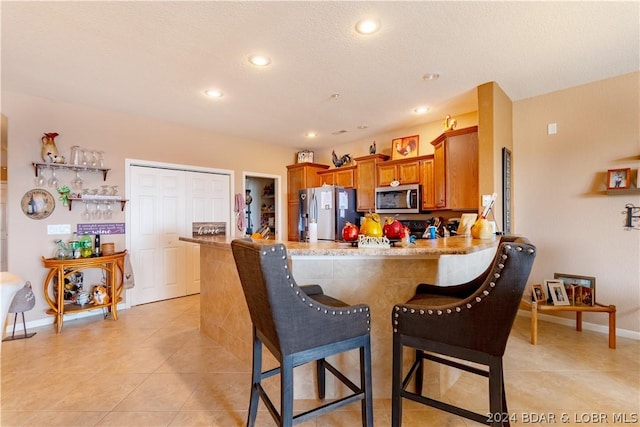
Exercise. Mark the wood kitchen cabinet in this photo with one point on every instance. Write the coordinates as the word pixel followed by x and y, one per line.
pixel 341 177
pixel 455 169
pixel 366 178
pixel 299 176
pixel 427 185
pixel 403 171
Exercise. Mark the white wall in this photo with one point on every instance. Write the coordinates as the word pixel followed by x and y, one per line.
pixel 560 201
pixel 120 136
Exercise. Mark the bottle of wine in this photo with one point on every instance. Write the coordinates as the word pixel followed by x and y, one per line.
pixel 96 246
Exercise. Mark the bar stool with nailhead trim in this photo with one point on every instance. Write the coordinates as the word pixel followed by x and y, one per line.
pixel 298 325
pixel 464 323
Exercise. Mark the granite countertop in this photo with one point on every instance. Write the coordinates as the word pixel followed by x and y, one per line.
pixel 457 245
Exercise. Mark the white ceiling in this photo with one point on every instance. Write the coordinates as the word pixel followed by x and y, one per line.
pixel 155 59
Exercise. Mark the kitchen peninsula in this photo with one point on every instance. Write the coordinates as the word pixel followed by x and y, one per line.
pixel 377 277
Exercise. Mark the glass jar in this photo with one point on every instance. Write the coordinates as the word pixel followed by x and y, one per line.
pixel 62 251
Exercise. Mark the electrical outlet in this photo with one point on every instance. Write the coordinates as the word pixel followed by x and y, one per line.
pixel 59 229
pixel 486 199
pixel 552 128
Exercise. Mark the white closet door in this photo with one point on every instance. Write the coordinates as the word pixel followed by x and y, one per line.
pixel 157 204
pixel 208 200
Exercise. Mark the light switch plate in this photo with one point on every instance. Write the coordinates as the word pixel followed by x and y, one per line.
pixel 59 229
pixel 486 199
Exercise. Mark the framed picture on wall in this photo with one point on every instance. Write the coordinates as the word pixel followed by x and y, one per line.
pixel 405 147
pixel 618 179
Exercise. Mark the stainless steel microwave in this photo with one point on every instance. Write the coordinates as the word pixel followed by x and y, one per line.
pixel 400 199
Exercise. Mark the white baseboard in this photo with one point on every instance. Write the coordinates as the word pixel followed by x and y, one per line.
pixel 50 319
pixel 624 333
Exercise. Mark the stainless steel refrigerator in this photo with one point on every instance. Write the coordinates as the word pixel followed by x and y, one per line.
pixel 330 207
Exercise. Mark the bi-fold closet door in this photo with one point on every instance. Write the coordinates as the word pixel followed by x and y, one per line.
pixel 163 203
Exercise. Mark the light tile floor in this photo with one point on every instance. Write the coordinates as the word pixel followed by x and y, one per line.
pixel 153 368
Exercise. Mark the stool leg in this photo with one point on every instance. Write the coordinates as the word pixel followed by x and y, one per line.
pixel 396 386
pixel 365 383
pixel 419 371
pixel 286 392
pixel 256 377
pixel 321 378
pixel 497 399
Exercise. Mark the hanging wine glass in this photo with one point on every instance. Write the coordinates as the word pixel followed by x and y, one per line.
pixel 77 182
pixel 40 181
pixel 108 213
pixel 86 215
pixel 97 214
pixel 53 181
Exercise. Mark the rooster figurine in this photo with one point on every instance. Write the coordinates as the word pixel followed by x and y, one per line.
pixel 372 148
pixel 340 161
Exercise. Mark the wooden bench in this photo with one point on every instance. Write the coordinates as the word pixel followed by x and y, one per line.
pixel 537 307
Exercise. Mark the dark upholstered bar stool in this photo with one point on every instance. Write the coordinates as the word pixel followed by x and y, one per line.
pixel 470 322
pixel 299 324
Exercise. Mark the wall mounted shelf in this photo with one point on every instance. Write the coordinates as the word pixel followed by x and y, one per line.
pixel 98 199
pixel 38 166
pixel 624 191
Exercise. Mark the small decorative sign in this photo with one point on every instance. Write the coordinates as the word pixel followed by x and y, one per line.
pixel 209 228
pixel 104 228
pixel 373 242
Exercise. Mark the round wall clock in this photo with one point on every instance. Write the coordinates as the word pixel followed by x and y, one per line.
pixel 38 203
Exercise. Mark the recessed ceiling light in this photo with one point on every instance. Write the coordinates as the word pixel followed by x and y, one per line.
pixel 260 60
pixel 214 93
pixel 430 76
pixel 421 110
pixel 311 134
pixel 362 126
pixel 368 26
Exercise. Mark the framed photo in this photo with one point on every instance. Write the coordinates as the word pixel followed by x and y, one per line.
pixel 618 179
pixel 581 289
pixel 537 293
pixel 405 148
pixel 305 156
pixel 557 292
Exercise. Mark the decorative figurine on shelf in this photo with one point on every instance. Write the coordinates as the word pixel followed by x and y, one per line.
pixel 100 295
pixel 372 148
pixel 340 161
pixel 64 192
pixel 49 151
pixel 449 123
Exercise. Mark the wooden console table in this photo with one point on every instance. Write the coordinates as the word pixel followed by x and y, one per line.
pixel 112 265
pixel 537 307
